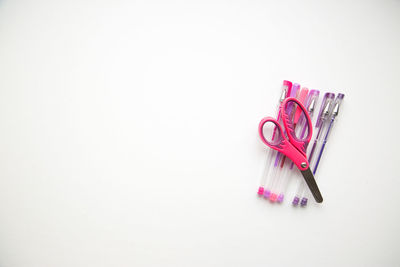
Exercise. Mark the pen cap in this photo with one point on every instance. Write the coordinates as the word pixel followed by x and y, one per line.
pixel 288 85
pixel 294 90
pixel 312 100
pixel 336 106
pixel 293 93
pixel 302 97
pixel 310 104
pixel 326 106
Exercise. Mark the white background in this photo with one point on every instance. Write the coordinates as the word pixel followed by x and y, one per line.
pixel 128 132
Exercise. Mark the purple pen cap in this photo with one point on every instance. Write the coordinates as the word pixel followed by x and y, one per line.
pixel 338 101
pixel 328 97
pixel 295 88
pixel 293 92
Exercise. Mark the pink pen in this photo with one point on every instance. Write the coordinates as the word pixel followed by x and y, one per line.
pixel 286 89
pixel 300 123
pixel 310 104
pixel 273 173
pixel 280 159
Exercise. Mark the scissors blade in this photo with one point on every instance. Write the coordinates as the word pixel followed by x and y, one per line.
pixel 309 177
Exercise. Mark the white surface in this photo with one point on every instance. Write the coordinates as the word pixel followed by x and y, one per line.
pixel 128 132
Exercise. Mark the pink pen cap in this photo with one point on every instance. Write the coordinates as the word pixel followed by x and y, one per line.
pixel 288 84
pixel 302 97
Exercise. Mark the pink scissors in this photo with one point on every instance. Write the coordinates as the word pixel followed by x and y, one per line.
pixel 292 146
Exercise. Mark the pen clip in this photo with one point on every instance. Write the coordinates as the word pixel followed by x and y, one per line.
pixel 288 85
pixel 311 102
pixel 286 88
pixel 325 109
pixel 338 101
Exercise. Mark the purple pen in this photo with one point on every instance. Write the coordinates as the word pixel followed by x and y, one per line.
pixel 320 124
pixel 334 112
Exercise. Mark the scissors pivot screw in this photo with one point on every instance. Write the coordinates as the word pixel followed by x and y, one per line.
pixel 303 164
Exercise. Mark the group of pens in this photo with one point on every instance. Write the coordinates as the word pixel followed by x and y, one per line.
pixel 277 171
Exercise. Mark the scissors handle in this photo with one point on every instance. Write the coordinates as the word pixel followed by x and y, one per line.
pixel 281 144
pixel 286 111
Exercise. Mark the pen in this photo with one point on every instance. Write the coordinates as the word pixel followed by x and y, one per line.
pixel 286 89
pixel 300 123
pixel 310 104
pixel 320 125
pixel 334 112
pixel 280 159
